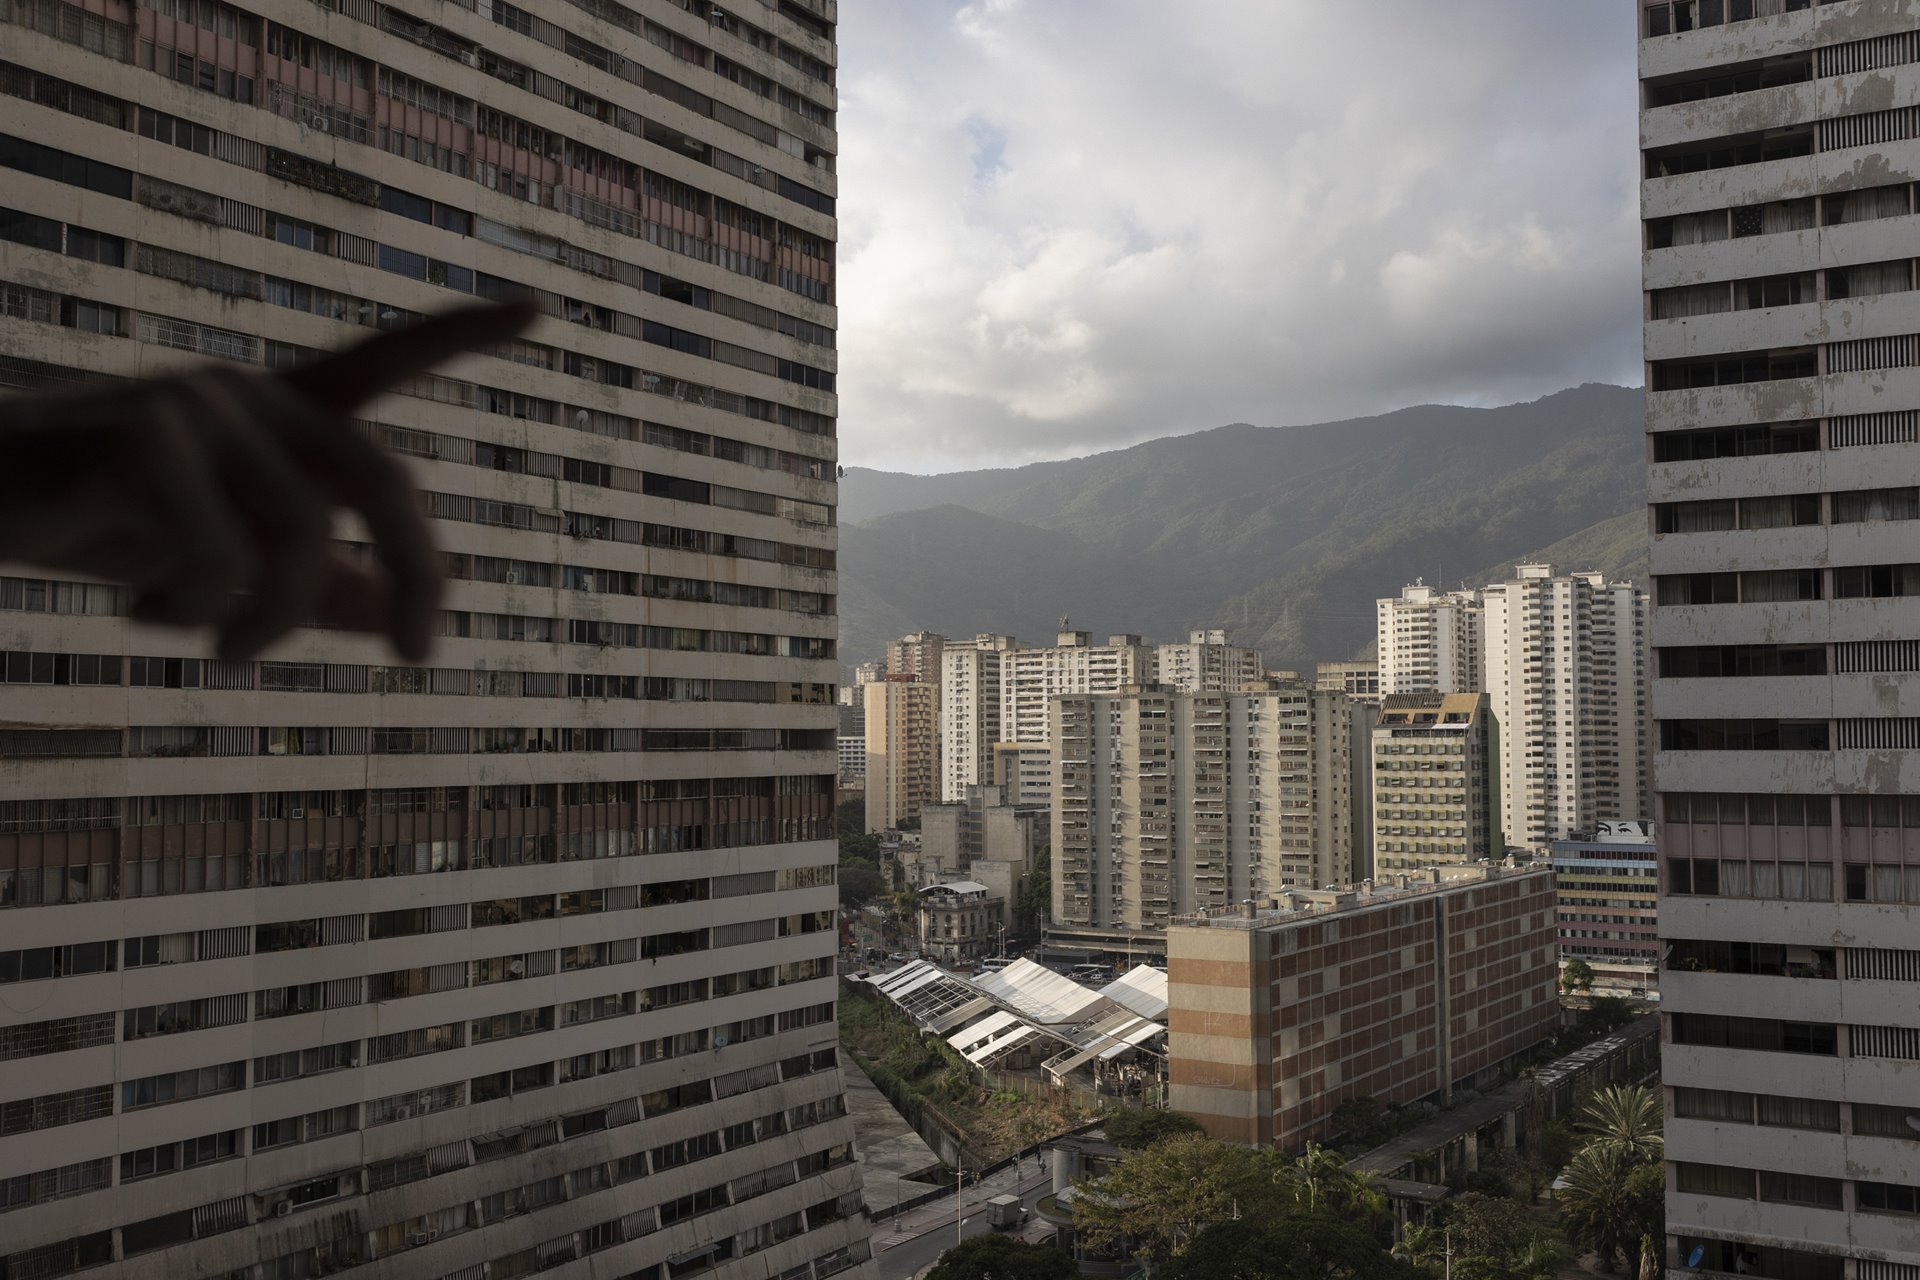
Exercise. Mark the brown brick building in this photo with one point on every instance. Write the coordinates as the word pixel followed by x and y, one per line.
pixel 1397 992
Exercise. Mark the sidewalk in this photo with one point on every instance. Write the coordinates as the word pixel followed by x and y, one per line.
pixel 939 1213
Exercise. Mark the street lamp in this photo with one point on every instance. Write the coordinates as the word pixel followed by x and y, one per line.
pixel 959 1178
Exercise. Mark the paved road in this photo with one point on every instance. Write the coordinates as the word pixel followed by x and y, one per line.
pixel 908 1245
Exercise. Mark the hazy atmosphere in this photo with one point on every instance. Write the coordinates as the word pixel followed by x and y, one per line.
pixel 1085 225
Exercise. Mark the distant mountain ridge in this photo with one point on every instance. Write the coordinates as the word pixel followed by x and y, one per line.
pixel 1286 535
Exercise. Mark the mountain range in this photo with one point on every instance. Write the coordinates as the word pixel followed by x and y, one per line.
pixel 1284 535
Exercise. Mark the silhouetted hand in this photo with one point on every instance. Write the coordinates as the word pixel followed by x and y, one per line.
pixel 221 481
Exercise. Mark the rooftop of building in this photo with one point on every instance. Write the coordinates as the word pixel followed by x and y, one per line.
pixel 1298 906
pixel 1430 710
pixel 1628 836
pixel 957 889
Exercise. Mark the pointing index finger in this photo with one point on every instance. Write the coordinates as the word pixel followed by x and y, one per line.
pixel 342 381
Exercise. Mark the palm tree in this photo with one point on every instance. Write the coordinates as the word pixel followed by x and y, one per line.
pixel 1623 1118
pixel 1599 1207
pixel 1322 1182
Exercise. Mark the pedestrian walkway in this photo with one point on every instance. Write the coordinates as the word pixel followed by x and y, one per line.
pixel 1028 1177
pixel 891 1153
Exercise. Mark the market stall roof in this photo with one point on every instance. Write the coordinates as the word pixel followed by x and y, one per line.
pixel 1142 989
pixel 1039 993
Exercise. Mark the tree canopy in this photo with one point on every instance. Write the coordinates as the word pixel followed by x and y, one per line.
pixel 1160 1197
pixel 860 882
pixel 1033 905
pixel 1303 1247
pixel 1577 975
pixel 1623 1117
pixel 998 1257
pixel 1132 1128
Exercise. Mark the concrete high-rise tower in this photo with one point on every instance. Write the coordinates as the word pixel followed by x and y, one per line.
pixel 1780 147
pixel 522 960
pixel 1565 670
pixel 1430 641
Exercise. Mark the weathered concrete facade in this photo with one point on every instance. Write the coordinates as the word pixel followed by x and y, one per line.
pixel 522 961
pixel 1277 1015
pixel 1783 371
pixel 903 750
pixel 1169 803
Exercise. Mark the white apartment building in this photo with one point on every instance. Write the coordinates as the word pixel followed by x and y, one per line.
pixel 1565 668
pixel 1208 662
pixel 1167 803
pixel 1783 413
pixel 853 760
pixel 995 690
pixel 970 706
pixel 1031 678
pixel 522 960
pixel 1430 641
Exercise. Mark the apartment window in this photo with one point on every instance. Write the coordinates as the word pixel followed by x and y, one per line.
pixel 1769 1034
pixel 1876 581
pixel 1860 505
pixel 178 1086
pixel 1799 1188
pixel 1880 1121
pixel 1721 1105
pixel 1735 442
pixel 70 960
pixel 172 1157
pixel 1708 661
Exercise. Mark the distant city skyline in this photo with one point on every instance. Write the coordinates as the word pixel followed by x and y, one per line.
pixel 1078 228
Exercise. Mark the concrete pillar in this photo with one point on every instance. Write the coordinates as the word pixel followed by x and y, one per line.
pixel 1471 1151
pixel 1510 1130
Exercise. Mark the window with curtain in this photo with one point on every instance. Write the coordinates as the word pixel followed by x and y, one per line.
pixel 1723 1105
pixel 1713 1180
pixel 1856 505
pixel 1799 1113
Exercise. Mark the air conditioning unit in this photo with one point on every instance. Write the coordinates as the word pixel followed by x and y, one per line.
pixel 281 1208
pixel 513 578
pixel 322 125
pixel 419 1238
pixel 296 813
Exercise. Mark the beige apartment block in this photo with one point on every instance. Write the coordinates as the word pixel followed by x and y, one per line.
pixel 1782 344
pixel 1268 1031
pixel 521 959
pixel 1168 803
pixel 902 750
pixel 916 656
pixel 1025 771
pixel 1565 668
pixel 1359 680
pixel 1435 782
pixel 1430 641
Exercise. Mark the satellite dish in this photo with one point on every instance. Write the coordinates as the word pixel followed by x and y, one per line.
pixel 1913 1122
pixel 719 1041
pixel 1699 1252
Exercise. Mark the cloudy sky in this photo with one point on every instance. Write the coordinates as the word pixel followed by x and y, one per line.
pixel 1068 225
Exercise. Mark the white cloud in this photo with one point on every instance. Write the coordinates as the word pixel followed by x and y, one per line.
pixel 1073 224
